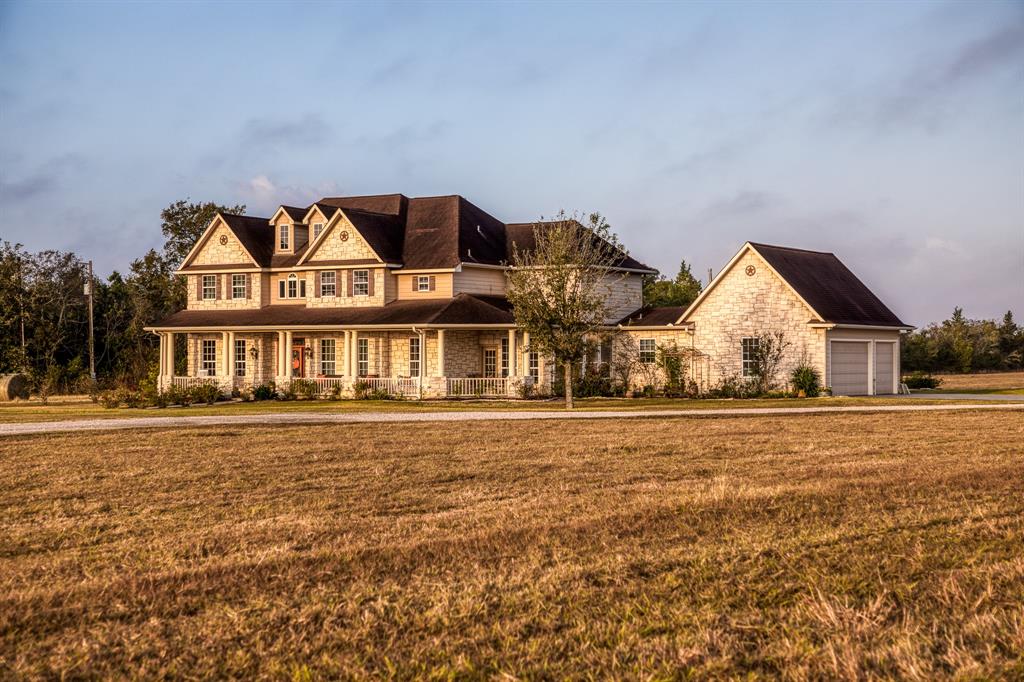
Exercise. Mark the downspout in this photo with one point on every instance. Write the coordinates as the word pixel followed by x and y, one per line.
pixel 421 334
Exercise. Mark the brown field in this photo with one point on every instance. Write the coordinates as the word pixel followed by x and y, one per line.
pixel 982 382
pixel 81 407
pixel 840 546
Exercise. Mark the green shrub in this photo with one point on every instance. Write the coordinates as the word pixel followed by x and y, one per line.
pixel 264 392
pixel 122 396
pixel 921 380
pixel 204 393
pixel 806 379
pixel 734 386
pixel 360 389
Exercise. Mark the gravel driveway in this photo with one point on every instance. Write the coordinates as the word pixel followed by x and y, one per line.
pixel 17 429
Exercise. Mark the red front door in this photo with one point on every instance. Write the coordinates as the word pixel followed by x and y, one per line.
pixel 298 360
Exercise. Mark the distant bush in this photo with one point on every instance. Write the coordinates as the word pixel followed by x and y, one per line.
pixel 806 379
pixel 305 388
pixel 921 380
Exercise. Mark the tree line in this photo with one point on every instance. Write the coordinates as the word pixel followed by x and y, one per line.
pixel 44 322
pixel 960 344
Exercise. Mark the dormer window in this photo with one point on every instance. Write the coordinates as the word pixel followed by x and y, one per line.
pixel 317 229
pixel 423 283
pixel 283 239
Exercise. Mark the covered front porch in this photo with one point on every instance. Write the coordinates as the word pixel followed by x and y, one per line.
pixel 410 362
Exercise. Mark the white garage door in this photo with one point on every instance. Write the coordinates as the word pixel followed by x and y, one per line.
pixel 850 367
pixel 884 384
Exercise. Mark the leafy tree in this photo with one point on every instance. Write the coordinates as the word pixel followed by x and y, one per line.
pixel 558 288
pixel 681 291
pixel 184 222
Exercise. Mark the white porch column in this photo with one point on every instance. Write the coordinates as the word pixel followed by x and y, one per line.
pixel 345 355
pixel 288 342
pixel 170 354
pixel 163 361
pixel 512 353
pixel 225 350
pixel 871 367
pixel 440 353
pixel 353 348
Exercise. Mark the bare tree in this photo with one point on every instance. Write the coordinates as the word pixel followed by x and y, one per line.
pixel 559 285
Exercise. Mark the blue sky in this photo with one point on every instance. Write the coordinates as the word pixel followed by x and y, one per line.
pixel 889 133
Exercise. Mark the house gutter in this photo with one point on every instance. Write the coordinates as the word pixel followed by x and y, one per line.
pixel 866 327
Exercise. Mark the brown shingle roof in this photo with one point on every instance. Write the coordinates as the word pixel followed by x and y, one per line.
pixel 423 233
pixel 295 213
pixel 828 286
pixel 653 317
pixel 522 235
pixel 462 309
pixel 254 235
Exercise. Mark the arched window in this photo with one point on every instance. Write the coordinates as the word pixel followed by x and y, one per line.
pixel 293 286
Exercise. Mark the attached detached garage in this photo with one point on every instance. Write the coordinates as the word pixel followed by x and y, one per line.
pixel 862 362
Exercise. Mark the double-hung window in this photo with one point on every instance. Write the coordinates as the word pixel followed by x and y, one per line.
pixel 647 351
pixel 363 357
pixel 360 282
pixel 750 345
pixel 414 356
pixel 328 350
pixel 209 287
pixel 239 357
pixel 504 356
pixel 208 357
pixel 533 364
pixel 283 238
pixel 328 284
pixel 317 229
pixel 490 362
pixel 238 285
pixel 423 283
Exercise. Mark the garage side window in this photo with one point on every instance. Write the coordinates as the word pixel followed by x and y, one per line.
pixel 750 345
pixel 648 351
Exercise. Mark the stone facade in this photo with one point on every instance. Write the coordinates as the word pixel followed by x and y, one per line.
pixel 331 246
pixel 742 305
pixel 224 299
pixel 215 253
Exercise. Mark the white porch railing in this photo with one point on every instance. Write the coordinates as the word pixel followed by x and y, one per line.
pixel 326 385
pixel 489 386
pixel 403 386
pixel 189 382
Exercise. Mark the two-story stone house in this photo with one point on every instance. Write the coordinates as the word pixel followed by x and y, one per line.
pixel 408 295
pixel 402 294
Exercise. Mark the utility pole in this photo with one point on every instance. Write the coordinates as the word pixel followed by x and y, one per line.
pixel 92 346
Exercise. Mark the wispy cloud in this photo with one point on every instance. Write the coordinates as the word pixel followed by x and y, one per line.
pixel 308 131
pixel 924 98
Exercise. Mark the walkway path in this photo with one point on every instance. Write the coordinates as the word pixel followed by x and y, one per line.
pixel 16 429
pixel 1012 397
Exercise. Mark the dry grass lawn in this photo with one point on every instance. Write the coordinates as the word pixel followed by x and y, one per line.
pixel 840 546
pixel 992 381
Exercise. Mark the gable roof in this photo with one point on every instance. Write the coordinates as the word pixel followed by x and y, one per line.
pixel 248 230
pixel 424 233
pixel 829 289
pixel 828 286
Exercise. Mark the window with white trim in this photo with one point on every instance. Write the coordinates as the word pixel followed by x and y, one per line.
pixel 238 285
pixel 504 356
pixel 363 357
pixel 317 229
pixel 328 284
pixel 239 357
pixel 749 346
pixel 209 287
pixel 208 357
pixel 328 356
pixel 533 364
pixel 423 283
pixel 648 352
pixel 414 356
pixel 360 282
pixel 490 362
pixel 282 242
